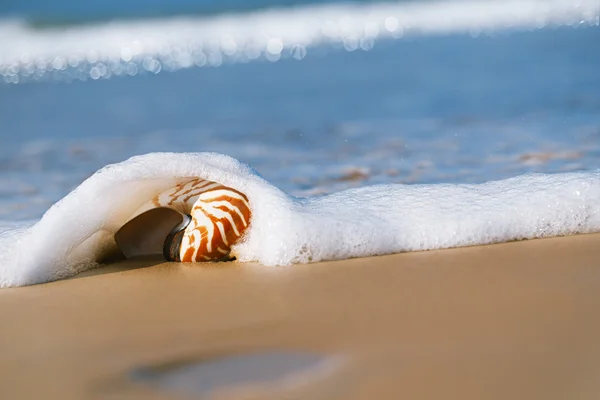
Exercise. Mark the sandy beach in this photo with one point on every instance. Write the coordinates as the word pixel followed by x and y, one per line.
pixel 514 320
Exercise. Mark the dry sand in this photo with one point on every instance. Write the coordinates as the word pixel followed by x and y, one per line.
pixel 511 321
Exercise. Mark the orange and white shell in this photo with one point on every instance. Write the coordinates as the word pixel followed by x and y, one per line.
pixel 219 216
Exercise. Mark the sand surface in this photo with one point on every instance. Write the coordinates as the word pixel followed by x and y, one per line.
pixel 511 321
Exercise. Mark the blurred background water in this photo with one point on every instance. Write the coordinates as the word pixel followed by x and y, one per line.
pixel 317 96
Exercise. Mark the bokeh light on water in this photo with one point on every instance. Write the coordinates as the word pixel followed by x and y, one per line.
pixel 103 50
pixel 317 97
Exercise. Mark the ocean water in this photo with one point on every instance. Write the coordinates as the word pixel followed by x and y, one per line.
pixel 317 97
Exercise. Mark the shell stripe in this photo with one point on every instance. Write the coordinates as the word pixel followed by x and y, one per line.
pixel 219 219
pixel 220 216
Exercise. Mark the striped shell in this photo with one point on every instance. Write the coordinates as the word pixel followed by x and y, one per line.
pixel 219 216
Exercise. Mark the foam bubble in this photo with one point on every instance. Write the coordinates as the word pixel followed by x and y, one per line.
pixel 77 232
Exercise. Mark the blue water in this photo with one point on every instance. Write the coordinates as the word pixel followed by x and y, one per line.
pixel 75 10
pixel 423 108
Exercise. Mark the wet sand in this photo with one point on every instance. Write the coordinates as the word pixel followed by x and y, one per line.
pixel 516 320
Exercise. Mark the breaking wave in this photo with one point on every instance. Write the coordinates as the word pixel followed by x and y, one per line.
pixel 103 50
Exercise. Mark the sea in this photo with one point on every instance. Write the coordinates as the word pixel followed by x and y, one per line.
pixel 318 97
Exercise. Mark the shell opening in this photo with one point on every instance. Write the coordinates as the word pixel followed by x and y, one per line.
pixel 148 233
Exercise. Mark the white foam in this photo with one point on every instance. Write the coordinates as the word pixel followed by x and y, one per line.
pixel 127 47
pixel 77 231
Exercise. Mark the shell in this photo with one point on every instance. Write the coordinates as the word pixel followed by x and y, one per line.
pixel 172 243
pixel 218 218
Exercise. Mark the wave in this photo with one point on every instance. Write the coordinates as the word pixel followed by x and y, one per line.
pixel 98 51
pixel 77 233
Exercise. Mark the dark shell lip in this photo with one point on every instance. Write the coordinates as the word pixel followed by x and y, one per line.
pixel 172 243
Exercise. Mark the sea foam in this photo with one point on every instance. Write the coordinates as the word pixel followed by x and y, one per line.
pixel 103 50
pixel 77 232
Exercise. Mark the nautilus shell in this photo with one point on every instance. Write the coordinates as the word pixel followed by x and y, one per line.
pixel 218 219
pixel 215 217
